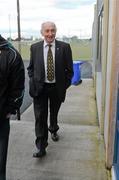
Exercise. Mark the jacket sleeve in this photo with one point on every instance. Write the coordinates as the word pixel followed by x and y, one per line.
pixel 16 81
pixel 68 65
pixel 30 67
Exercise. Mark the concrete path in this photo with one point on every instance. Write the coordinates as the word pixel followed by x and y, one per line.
pixel 78 155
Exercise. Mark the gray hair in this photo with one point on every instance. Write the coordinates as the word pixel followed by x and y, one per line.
pixel 47 22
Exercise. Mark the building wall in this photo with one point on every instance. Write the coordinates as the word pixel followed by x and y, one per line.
pixel 99 62
pixel 106 72
pixel 108 81
pixel 104 56
pixel 111 81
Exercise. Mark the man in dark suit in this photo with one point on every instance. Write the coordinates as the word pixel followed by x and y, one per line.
pixel 50 72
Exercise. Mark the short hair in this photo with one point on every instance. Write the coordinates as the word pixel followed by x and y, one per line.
pixel 47 22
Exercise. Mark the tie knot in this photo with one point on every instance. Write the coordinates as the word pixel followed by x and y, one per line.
pixel 49 45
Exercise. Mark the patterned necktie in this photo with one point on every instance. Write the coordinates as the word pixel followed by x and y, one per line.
pixel 50 65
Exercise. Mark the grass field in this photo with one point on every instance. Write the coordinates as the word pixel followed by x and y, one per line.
pixel 81 50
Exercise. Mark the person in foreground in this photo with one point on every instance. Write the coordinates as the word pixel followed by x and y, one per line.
pixel 50 72
pixel 11 95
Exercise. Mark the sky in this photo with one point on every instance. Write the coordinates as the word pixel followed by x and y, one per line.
pixel 72 17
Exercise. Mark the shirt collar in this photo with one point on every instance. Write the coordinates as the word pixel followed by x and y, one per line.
pixel 45 43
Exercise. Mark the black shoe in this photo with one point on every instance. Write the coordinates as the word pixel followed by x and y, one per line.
pixel 39 153
pixel 39 145
pixel 54 136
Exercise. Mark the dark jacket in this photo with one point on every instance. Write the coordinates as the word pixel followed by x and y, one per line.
pixel 12 76
pixel 63 68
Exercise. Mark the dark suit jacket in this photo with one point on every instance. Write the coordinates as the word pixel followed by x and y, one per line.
pixel 63 68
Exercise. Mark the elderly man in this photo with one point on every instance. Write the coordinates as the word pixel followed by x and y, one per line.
pixel 11 95
pixel 50 71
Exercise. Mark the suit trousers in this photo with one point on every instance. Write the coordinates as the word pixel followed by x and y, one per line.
pixel 4 137
pixel 47 103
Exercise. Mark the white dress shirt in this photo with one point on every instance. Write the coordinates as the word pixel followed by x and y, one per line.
pixel 45 50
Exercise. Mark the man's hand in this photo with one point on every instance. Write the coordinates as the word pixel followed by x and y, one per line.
pixel 8 116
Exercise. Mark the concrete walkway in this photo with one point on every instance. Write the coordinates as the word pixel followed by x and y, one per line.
pixel 78 155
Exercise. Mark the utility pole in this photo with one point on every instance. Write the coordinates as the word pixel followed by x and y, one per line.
pixel 19 43
pixel 18 21
pixel 10 27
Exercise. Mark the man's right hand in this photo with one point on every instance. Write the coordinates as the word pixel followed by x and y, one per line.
pixel 8 116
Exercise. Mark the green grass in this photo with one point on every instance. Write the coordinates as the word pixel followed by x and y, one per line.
pixel 23 48
pixel 81 50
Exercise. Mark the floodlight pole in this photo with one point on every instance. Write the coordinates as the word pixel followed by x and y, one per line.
pixel 19 44
pixel 10 27
pixel 18 21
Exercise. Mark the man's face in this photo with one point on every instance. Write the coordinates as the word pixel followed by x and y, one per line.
pixel 49 32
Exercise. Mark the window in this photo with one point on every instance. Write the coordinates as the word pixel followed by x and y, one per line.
pixel 100 37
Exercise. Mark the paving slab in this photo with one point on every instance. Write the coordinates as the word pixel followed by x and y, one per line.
pixel 79 106
pixel 78 155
